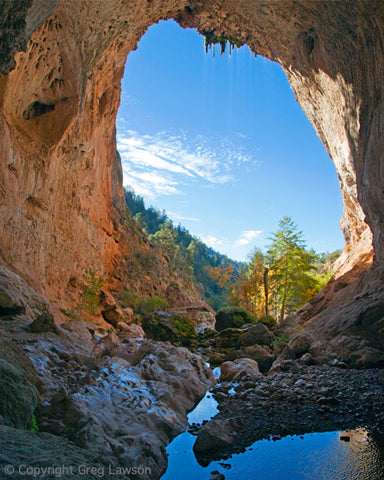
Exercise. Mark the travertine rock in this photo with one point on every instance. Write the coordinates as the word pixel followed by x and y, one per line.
pixel 239 369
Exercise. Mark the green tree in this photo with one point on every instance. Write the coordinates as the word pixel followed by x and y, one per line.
pixel 290 265
pixel 165 238
pixel 140 220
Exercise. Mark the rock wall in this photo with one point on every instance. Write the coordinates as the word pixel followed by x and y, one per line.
pixel 62 62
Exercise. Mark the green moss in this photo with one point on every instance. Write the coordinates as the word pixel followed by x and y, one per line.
pixel 185 328
pixel 268 321
pixel 33 426
pixel 176 329
pixel 211 38
pixel 233 317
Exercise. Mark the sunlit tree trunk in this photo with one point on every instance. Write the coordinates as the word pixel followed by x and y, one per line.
pixel 282 311
pixel 266 270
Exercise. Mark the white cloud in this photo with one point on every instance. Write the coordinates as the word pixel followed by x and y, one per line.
pixel 156 165
pixel 149 184
pixel 177 216
pixel 247 237
pixel 214 242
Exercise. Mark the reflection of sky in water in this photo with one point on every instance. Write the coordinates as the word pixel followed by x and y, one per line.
pixel 317 456
pixel 206 409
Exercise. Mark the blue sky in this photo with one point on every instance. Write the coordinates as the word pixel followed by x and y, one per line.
pixel 221 144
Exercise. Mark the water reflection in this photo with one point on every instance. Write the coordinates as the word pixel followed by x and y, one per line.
pixel 316 456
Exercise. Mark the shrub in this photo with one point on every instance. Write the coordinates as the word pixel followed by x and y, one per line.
pixel 281 339
pixel 233 317
pixel 148 305
pixel 128 299
pixel 91 291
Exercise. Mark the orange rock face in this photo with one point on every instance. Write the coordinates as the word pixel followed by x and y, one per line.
pixel 61 197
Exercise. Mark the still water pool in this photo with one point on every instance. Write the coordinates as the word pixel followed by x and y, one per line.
pixel 315 456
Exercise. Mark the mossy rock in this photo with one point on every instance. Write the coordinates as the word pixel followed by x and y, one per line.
pixel 18 387
pixel 216 359
pixel 268 321
pixel 257 334
pixel 228 338
pixel 177 329
pixel 233 317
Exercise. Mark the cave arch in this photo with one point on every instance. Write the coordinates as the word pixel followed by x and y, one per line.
pixel 62 62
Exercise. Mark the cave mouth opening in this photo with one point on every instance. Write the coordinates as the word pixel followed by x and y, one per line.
pixel 74 90
pixel 207 137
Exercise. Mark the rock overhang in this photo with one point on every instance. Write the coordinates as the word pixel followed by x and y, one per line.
pixel 59 99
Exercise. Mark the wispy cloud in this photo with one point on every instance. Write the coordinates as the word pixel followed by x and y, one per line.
pixel 247 237
pixel 178 216
pixel 160 164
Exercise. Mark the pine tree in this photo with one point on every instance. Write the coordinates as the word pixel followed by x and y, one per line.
pixel 290 265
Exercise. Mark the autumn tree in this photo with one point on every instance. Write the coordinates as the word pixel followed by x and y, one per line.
pixel 249 290
pixel 290 265
pixel 226 277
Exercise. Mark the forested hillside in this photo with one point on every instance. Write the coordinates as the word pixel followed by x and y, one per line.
pixel 187 253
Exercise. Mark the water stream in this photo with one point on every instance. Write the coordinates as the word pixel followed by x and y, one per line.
pixel 351 455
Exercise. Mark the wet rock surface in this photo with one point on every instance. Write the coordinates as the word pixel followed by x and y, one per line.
pixel 113 402
pixel 302 400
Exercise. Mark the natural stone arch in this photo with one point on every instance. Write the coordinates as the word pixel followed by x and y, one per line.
pixel 60 185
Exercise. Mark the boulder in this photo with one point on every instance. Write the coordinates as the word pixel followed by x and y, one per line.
pixel 283 351
pixel 22 447
pixel 128 314
pixel 131 331
pixel 367 357
pixel 111 311
pixel 307 359
pixel 228 338
pixel 114 317
pixel 300 344
pixel 204 321
pixel 17 297
pixel 282 366
pixel 174 328
pixel 43 323
pixel 106 344
pixel 18 386
pixel 240 369
pixel 262 355
pixel 214 435
pixel 232 317
pixel 186 372
pixel 257 334
pixel 81 330
pixel 127 350
pixel 107 301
